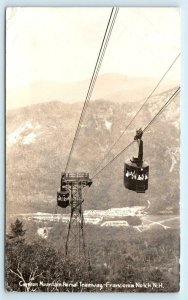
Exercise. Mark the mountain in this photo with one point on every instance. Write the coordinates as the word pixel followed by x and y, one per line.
pixel 113 87
pixel 39 138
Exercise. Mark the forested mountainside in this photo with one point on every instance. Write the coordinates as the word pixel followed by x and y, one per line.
pixel 39 139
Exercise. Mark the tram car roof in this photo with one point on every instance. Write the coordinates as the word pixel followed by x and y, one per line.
pixel 130 163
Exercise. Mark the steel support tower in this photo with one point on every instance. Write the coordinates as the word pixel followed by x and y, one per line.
pixel 75 242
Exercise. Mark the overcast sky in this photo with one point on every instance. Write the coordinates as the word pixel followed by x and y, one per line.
pixel 62 44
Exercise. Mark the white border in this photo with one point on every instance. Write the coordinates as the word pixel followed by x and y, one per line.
pixel 183 294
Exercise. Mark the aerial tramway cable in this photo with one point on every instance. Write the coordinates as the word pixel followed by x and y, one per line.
pixel 91 87
pixel 141 107
pixel 145 129
pixel 101 58
pixel 163 108
pixel 102 54
pixel 102 50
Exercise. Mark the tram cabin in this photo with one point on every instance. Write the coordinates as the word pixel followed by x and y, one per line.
pixel 63 197
pixel 136 176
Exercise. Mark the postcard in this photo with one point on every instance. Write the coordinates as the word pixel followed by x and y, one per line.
pixel 92 149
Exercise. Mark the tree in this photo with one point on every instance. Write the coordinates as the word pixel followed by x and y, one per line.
pixel 17 229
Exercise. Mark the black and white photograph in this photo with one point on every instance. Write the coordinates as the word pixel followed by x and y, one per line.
pixel 92 149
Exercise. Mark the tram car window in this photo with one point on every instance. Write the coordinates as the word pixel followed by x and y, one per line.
pixel 62 198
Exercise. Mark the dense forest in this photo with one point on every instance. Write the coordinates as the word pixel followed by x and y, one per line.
pixel 120 262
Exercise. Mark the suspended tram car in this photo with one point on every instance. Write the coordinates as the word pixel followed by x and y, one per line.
pixel 63 194
pixel 62 198
pixel 136 171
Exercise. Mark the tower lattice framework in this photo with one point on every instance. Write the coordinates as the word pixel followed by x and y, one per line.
pixel 75 242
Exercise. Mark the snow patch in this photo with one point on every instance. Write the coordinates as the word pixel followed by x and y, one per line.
pixel 115 223
pixel 30 138
pixel 174 161
pixel 14 136
pixel 42 213
pixel 174 155
pixel 108 125
pixel 18 134
pixel 94 221
pixel 115 212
